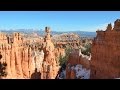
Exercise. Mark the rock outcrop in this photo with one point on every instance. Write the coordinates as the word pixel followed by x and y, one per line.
pixel 66 39
pixel 78 66
pixel 27 59
pixel 50 66
pixel 105 61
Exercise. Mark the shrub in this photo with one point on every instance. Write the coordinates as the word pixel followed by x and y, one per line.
pixel 64 59
pixel 87 50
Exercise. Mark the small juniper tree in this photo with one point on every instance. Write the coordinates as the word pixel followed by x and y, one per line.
pixel 64 59
pixel 87 50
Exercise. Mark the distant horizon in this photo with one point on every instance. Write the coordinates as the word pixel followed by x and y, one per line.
pixel 43 30
pixel 60 21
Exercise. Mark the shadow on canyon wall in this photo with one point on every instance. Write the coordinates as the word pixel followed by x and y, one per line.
pixel 36 75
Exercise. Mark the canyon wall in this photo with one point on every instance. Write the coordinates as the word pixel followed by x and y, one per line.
pixel 25 60
pixel 105 61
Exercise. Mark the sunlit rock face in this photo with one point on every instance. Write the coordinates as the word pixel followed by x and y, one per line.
pixel 16 55
pixel 50 65
pixel 78 66
pixel 66 39
pixel 26 59
pixel 11 54
pixel 105 61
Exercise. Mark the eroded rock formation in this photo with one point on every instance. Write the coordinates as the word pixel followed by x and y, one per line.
pixel 105 61
pixel 50 65
pixel 78 65
pixel 65 39
pixel 26 59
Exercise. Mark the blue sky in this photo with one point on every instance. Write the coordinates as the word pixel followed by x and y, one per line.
pixel 58 20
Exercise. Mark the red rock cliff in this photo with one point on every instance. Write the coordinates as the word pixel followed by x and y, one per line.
pixel 105 61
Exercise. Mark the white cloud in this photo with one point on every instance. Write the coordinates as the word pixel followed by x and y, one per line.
pixel 102 26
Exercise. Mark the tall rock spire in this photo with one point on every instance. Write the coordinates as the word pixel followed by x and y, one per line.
pixel 50 67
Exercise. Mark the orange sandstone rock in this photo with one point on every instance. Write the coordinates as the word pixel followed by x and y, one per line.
pixel 105 53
